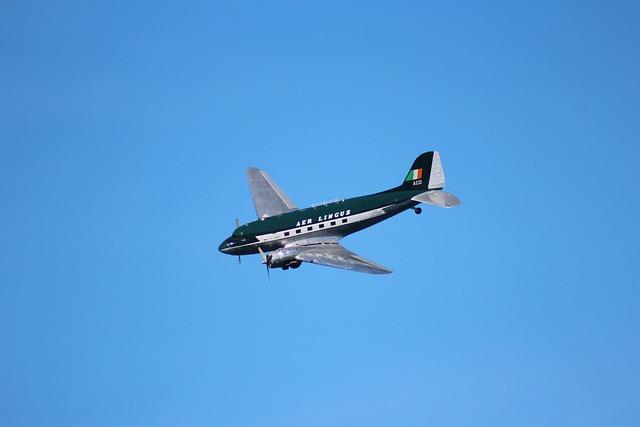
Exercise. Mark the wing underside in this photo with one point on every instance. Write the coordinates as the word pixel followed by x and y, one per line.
pixel 268 198
pixel 335 255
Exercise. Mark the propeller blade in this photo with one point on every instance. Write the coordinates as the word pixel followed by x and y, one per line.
pixel 265 261
pixel 264 257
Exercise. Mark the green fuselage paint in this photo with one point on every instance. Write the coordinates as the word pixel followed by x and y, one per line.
pixel 335 219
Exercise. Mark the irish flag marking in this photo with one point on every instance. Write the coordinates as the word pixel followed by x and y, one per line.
pixel 414 174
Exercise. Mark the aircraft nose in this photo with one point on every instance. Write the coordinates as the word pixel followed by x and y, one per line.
pixel 224 246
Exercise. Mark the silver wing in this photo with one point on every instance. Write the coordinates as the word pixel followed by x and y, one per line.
pixel 268 198
pixel 335 255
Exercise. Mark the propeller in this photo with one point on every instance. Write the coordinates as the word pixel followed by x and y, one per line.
pixel 266 259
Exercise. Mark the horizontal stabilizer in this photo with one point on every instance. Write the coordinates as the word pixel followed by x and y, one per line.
pixel 438 198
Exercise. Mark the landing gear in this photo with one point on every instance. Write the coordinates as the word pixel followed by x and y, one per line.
pixel 294 265
pixel 418 211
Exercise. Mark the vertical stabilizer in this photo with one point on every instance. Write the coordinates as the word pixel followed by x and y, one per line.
pixel 436 176
pixel 426 173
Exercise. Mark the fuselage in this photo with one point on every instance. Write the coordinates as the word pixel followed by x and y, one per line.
pixel 332 220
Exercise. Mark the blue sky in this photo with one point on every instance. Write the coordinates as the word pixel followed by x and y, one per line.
pixel 126 129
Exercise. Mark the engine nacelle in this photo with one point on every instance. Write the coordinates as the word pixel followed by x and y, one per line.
pixel 284 258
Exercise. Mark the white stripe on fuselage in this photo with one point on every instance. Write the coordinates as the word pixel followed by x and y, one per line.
pixel 321 226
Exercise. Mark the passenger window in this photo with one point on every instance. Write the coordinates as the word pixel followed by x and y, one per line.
pixel 333 223
pixel 344 221
pixel 309 228
pixel 298 231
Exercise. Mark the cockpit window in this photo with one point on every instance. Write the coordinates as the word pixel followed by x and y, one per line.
pixel 236 239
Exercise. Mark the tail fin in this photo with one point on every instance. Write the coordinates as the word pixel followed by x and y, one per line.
pixel 425 174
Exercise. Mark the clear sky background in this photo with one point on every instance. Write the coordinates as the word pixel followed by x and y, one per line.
pixel 125 132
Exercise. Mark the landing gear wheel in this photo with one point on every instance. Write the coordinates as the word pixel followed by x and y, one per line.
pixel 418 210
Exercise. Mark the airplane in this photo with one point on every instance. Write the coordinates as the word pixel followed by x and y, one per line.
pixel 286 236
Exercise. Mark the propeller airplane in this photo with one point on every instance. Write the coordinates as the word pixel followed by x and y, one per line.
pixel 286 236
